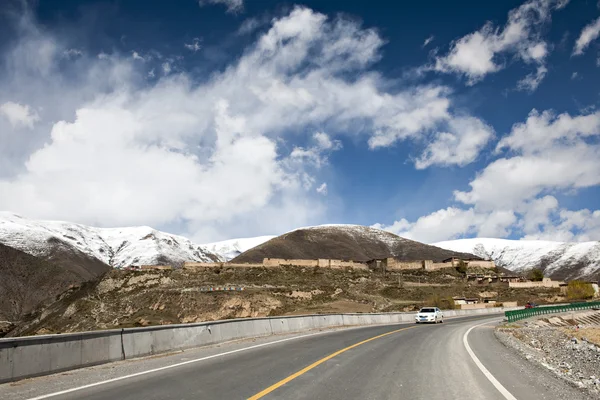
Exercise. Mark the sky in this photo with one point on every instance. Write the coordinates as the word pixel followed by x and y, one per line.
pixel 217 119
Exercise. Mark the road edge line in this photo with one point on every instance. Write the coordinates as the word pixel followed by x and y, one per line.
pixel 503 391
pixel 75 389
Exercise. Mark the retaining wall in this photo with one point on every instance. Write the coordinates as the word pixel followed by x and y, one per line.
pixel 393 264
pixel 545 283
pixel 30 356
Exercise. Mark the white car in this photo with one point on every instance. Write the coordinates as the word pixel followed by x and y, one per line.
pixel 429 314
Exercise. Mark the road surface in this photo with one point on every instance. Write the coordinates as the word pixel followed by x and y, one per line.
pixel 459 359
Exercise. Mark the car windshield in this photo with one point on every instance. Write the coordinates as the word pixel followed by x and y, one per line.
pixel 427 310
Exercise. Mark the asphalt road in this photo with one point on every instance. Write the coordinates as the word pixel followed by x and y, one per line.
pixel 382 362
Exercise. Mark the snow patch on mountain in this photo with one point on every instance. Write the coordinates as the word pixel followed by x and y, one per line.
pixel 117 247
pixel 122 247
pixel 558 259
pixel 359 232
pixel 229 249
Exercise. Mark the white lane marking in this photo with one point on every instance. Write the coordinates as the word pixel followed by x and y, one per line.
pixel 507 395
pixel 46 396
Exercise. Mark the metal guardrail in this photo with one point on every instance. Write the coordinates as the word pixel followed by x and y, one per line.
pixel 516 315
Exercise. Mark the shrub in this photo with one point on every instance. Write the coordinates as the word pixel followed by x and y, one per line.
pixel 445 303
pixel 462 267
pixel 578 290
pixel 536 274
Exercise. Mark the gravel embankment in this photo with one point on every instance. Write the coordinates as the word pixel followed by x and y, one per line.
pixel 555 348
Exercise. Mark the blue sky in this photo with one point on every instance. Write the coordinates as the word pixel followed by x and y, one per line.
pixel 232 118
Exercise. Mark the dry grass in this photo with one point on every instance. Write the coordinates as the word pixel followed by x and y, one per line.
pixel 591 334
pixel 125 298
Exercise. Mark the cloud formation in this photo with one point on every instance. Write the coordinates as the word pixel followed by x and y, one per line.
pixel 588 34
pixel 210 158
pixel 233 6
pixel 428 40
pixel 546 153
pixel 19 115
pixel 480 53
pixel 459 146
pixel 194 46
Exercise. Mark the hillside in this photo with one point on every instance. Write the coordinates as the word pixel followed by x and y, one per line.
pixel 558 259
pixel 117 247
pixel 127 298
pixel 346 242
pixel 27 282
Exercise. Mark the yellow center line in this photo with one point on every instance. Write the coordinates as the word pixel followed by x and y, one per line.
pixel 317 363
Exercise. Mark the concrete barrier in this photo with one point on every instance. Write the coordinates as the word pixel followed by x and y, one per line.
pixel 25 357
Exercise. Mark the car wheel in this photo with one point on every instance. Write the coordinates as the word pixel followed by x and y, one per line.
pixel 442 321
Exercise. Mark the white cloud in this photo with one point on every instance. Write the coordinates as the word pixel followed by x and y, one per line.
pixel 478 54
pixel 429 108
pixel 542 131
pixel 551 153
pixel 322 189
pixel 194 46
pixel 250 25
pixel 588 34
pixel 167 151
pixel 325 142
pixel 19 115
pixel 509 181
pixel 72 53
pixel 536 213
pixel 574 75
pixel 233 6
pixel 459 146
pixel 531 82
pixel 427 41
pixel 540 219
pixel 136 55
pixel 452 223
pixel 316 155
pixel 547 153
pixel 568 226
pixel 124 150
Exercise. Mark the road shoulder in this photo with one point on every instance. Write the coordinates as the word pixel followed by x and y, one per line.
pixel 39 386
pixel 575 362
pixel 515 372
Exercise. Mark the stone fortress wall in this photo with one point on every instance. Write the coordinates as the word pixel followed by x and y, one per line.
pixel 386 264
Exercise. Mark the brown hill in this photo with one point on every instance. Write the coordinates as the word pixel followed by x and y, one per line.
pixel 345 242
pixel 27 282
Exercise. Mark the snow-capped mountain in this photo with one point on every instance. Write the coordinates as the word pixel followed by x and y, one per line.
pixel 117 247
pixel 557 259
pixel 121 247
pixel 229 249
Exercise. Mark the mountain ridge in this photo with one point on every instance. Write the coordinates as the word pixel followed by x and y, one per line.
pixel 121 247
pixel 345 242
pixel 115 247
pixel 560 260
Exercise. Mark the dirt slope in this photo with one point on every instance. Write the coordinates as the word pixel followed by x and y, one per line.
pixel 346 242
pixel 126 298
pixel 27 282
